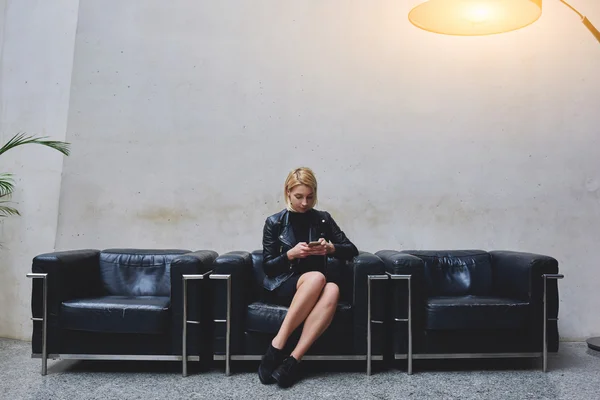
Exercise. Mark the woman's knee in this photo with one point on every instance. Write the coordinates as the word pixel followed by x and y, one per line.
pixel 315 279
pixel 331 294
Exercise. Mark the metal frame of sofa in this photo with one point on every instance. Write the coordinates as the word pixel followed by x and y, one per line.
pixel 410 355
pixel 211 273
pixel 201 256
pixel 227 321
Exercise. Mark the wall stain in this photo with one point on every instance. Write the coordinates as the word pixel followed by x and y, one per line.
pixel 165 215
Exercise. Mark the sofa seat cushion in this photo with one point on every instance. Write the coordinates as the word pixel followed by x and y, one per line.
pixel 117 314
pixel 475 312
pixel 267 318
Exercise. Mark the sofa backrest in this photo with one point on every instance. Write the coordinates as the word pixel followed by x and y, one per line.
pixel 137 272
pixel 456 272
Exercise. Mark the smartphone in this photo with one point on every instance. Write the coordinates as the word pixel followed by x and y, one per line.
pixel 313 244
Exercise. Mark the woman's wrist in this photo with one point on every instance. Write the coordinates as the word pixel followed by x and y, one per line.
pixel 289 255
pixel 330 248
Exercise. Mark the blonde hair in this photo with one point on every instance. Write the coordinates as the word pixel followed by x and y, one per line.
pixel 299 176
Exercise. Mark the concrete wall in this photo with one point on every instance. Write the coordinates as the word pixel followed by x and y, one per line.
pixel 186 117
pixel 36 57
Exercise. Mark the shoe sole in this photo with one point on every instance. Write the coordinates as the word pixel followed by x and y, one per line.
pixel 276 377
pixel 268 381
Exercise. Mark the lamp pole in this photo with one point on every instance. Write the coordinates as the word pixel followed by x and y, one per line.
pixel 594 342
pixel 585 21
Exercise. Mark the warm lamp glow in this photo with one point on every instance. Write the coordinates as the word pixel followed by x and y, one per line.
pixel 475 17
pixel 479 13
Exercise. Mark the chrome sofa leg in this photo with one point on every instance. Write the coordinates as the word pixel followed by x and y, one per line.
pixel 43 319
pixel 545 334
pixel 184 357
pixel 370 320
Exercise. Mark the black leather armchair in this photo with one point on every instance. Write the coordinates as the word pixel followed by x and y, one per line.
pixel 472 304
pixel 245 325
pixel 119 304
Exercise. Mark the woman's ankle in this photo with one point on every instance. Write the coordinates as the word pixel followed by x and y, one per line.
pixel 278 343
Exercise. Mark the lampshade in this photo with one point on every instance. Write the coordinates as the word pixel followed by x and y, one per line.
pixel 475 17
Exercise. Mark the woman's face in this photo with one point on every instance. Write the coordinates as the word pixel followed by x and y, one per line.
pixel 301 197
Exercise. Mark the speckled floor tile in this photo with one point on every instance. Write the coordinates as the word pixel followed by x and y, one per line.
pixel 574 373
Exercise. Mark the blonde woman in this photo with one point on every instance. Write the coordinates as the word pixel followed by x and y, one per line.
pixel 296 244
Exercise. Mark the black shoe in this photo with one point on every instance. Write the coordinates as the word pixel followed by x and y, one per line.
pixel 271 360
pixel 287 373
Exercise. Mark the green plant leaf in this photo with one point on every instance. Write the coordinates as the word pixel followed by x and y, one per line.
pixel 7 181
pixel 6 185
pixel 21 139
pixel 5 211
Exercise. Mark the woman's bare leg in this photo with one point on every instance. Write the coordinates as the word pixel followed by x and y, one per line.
pixel 318 320
pixel 308 289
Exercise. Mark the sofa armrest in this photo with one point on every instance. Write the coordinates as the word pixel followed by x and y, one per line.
pixel 397 263
pixel 199 299
pixel 70 275
pixel 238 265
pixel 519 275
pixel 363 265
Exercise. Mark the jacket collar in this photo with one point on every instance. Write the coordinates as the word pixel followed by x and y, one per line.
pixel 287 232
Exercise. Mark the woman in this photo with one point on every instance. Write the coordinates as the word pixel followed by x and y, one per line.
pixel 296 244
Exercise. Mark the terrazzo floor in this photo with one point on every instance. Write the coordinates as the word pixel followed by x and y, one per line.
pixel 574 373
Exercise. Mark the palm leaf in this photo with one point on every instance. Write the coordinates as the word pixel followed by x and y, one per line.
pixel 21 139
pixel 5 211
pixel 6 184
pixel 6 180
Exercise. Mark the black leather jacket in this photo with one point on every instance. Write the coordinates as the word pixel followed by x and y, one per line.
pixel 278 238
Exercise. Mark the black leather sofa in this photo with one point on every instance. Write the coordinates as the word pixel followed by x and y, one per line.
pixel 129 304
pixel 245 325
pixel 472 304
pixel 120 304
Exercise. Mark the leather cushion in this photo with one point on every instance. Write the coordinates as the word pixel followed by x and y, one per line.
pixel 267 318
pixel 475 312
pixel 456 272
pixel 258 273
pixel 137 272
pixel 117 314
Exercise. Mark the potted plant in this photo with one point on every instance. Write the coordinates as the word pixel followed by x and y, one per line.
pixel 6 179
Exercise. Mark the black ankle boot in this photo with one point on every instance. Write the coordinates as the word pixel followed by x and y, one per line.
pixel 287 373
pixel 271 360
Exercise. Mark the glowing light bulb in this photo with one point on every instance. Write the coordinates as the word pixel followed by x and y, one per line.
pixel 478 13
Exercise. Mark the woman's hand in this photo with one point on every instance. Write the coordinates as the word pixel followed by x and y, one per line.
pixel 324 249
pixel 301 250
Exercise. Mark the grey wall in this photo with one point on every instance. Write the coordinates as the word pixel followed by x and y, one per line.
pixel 36 56
pixel 186 117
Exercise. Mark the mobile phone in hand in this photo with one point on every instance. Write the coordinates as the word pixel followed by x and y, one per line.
pixel 313 244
